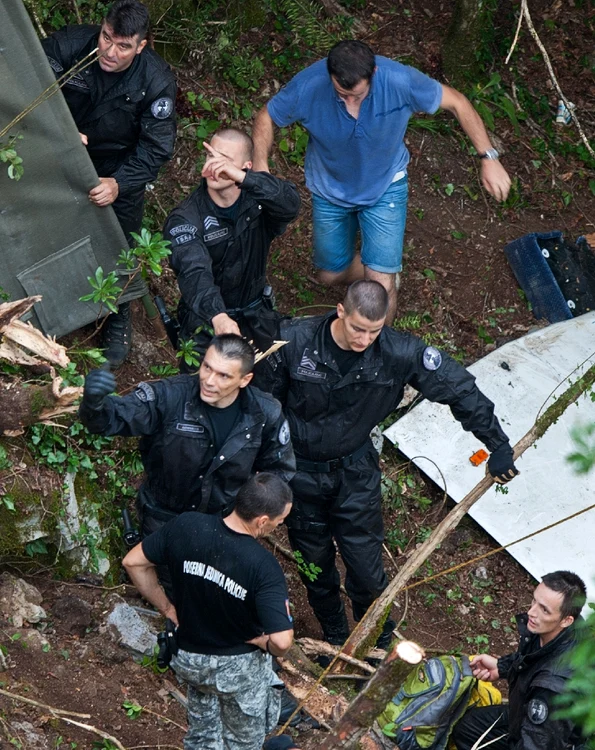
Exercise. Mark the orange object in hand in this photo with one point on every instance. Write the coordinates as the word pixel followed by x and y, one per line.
pixel 478 457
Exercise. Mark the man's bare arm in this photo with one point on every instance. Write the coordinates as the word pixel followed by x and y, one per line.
pixel 494 177
pixel 277 644
pixel 144 576
pixel 263 135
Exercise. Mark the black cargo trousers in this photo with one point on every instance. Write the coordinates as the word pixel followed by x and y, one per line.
pixel 340 500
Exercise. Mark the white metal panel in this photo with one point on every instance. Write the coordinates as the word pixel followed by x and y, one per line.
pixel 547 488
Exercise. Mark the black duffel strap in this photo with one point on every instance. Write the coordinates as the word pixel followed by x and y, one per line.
pixel 325 467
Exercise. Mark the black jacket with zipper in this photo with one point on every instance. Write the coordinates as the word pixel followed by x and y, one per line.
pixel 221 263
pixel 131 127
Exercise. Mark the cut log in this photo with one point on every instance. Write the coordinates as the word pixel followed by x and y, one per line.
pixel 382 686
pixel 17 336
pixel 22 405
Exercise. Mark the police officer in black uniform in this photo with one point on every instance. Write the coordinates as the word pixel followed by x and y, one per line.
pixel 201 437
pixel 339 376
pixel 536 674
pixel 123 106
pixel 221 237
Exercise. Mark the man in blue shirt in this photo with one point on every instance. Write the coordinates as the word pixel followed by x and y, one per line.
pixel 355 106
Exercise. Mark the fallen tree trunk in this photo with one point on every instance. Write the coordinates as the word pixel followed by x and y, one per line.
pixel 382 686
pixel 378 611
pixel 22 404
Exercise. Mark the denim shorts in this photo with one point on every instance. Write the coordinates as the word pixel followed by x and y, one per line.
pixel 382 228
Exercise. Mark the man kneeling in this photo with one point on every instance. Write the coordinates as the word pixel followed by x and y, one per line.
pixel 536 673
pixel 232 613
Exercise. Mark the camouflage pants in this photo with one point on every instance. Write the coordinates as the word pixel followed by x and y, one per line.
pixel 233 701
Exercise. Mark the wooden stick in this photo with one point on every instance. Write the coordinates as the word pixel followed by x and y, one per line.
pixel 550 69
pixel 380 608
pixel 312 646
pixel 362 712
pixel 94 730
pixel 31 702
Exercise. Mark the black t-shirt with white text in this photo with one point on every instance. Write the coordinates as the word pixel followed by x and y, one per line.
pixel 228 589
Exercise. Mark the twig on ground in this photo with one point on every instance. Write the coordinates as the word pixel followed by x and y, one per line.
pixel 58 711
pixel 94 730
pixel 276 546
pixel 165 718
pixel 312 646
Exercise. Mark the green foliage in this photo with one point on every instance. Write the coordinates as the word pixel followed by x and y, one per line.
pixel 133 710
pixel 293 143
pixel 305 17
pixel 309 570
pixel 243 68
pixel 163 371
pixel 491 101
pixel 577 702
pixel 105 289
pixel 188 352
pixel 9 155
pixel 150 251
pixel 583 459
pixel 147 256
pixel 150 662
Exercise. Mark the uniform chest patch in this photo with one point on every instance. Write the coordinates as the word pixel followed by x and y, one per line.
pixel 217 234
pixel 432 359
pixel 162 108
pixel 144 392
pixel 78 82
pixel 195 429
pixel 537 710
pixel 284 434
pixel 308 366
pixel 210 221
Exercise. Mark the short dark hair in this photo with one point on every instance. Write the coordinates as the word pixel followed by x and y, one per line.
pixel 572 588
pixel 237 136
pixel 350 62
pixel 232 346
pixel 128 18
pixel 265 494
pixel 368 298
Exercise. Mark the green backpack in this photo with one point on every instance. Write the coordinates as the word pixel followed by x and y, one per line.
pixel 432 699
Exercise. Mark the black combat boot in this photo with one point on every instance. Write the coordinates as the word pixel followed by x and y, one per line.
pixel 117 335
pixel 335 628
pixel 386 637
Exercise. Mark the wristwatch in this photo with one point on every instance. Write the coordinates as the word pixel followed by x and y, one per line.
pixel 490 154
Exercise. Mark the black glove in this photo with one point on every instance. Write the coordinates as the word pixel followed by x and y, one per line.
pixel 501 466
pixel 98 384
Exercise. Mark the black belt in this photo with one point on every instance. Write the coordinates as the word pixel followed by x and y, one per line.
pixel 324 467
pixel 250 306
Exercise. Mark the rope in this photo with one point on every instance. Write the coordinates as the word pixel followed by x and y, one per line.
pixel 433 577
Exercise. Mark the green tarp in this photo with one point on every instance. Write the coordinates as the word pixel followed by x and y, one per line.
pixel 51 237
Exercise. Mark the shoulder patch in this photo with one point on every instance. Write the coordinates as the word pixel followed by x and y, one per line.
pixel 432 359
pixel 537 711
pixel 144 392
pixel 183 229
pixel 162 108
pixel 55 65
pixel 284 433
